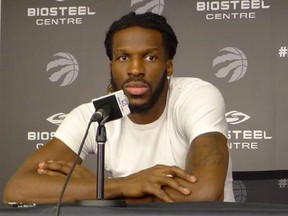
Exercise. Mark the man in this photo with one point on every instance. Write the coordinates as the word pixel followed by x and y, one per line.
pixel 172 147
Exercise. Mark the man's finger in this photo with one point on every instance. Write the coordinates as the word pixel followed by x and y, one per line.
pixel 49 172
pixel 56 166
pixel 172 183
pixel 161 194
pixel 176 171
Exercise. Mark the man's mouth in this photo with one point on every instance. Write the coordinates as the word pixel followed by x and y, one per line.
pixel 136 88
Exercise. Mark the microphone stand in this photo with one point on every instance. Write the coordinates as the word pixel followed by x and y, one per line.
pixel 100 139
pixel 100 201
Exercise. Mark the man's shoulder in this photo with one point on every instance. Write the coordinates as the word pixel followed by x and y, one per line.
pixel 193 89
pixel 187 83
pixel 84 110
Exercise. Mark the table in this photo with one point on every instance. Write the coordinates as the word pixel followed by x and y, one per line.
pixel 196 208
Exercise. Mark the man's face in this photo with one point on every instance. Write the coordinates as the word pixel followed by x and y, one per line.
pixel 139 66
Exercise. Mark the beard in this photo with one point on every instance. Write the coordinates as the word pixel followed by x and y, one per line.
pixel 143 108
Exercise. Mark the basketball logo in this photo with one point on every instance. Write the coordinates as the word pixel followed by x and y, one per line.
pixel 231 63
pixel 63 69
pixel 155 6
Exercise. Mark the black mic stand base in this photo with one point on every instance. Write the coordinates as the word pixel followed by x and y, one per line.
pixel 101 203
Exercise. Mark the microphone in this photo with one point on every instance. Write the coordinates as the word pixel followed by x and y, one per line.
pixel 101 113
pixel 112 106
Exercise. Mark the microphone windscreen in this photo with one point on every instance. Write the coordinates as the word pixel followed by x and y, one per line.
pixel 117 101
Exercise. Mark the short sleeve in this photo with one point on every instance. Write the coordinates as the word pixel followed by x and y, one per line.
pixel 72 129
pixel 201 109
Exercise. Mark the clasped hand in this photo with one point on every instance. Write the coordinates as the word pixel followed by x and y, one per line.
pixel 152 181
pixel 145 183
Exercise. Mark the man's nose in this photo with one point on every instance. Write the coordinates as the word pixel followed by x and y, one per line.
pixel 136 68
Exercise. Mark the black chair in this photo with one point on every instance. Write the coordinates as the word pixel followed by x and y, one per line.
pixel 261 186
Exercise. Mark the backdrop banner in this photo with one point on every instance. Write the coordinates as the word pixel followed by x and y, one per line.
pixel 53 59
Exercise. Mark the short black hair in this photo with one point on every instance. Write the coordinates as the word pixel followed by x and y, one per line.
pixel 147 20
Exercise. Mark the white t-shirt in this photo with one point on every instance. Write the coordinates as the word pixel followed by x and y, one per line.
pixel 193 107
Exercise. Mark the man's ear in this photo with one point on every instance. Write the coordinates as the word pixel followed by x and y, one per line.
pixel 169 70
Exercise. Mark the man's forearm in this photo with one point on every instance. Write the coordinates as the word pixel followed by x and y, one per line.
pixel 44 189
pixel 205 189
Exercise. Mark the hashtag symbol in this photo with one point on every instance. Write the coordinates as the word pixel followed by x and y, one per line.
pixel 283 51
pixel 283 183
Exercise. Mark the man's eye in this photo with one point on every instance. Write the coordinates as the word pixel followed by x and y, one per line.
pixel 150 58
pixel 123 58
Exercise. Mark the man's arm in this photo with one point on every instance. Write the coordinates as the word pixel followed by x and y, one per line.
pixel 207 159
pixel 41 178
pixel 31 183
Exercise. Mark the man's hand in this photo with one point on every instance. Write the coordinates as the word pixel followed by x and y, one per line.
pixel 207 158
pixel 62 168
pixel 48 177
pixel 152 180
